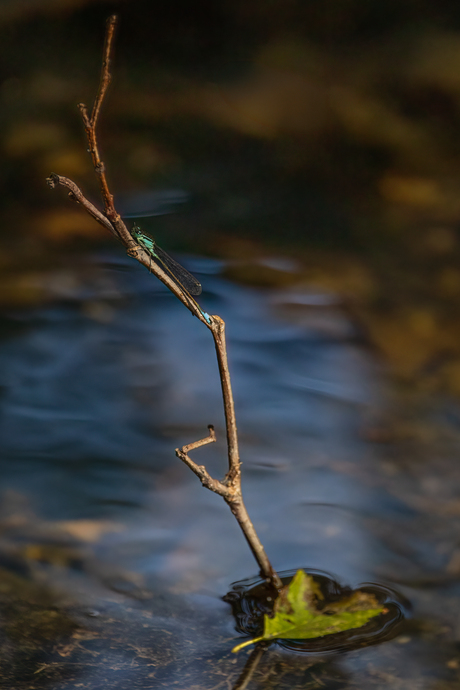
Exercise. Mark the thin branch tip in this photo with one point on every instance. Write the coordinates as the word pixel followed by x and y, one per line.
pixel 53 180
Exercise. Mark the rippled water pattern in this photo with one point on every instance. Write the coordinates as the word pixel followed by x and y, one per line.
pixel 98 389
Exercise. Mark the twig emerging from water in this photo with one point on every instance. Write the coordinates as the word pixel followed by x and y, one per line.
pixel 251 666
pixel 230 487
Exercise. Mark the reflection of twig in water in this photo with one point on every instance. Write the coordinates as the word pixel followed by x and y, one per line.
pixel 250 666
pixel 230 487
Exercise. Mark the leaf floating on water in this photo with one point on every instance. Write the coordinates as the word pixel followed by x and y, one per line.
pixel 298 616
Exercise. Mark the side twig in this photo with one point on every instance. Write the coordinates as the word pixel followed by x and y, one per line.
pixel 75 194
pixel 230 487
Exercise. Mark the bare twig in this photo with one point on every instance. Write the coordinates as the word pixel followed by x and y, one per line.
pixel 234 464
pixel 230 487
pixel 200 470
pixel 76 195
pixel 230 490
pixel 106 77
pixel 91 122
pixel 202 442
pixel 119 229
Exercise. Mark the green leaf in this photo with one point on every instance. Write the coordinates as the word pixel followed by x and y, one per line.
pixel 298 615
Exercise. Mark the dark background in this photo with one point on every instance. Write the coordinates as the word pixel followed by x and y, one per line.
pixel 308 154
pixel 324 130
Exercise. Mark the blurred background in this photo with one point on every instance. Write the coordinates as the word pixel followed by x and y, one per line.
pixel 302 159
pixel 328 132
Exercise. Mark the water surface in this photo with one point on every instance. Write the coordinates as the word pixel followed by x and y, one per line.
pixel 114 559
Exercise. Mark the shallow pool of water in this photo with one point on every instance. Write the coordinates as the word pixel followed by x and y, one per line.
pixel 114 560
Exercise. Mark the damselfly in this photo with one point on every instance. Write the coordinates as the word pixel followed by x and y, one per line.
pixel 180 275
